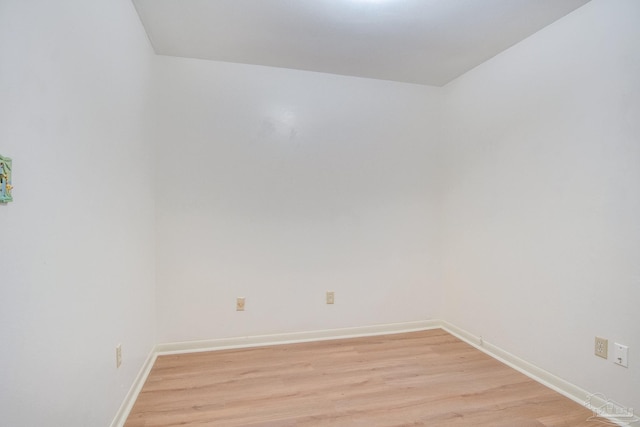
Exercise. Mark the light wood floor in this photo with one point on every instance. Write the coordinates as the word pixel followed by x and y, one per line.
pixel 427 378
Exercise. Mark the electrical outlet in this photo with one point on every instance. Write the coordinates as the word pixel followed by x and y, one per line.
pixel 240 304
pixel 621 355
pixel 118 355
pixel 330 297
pixel 602 347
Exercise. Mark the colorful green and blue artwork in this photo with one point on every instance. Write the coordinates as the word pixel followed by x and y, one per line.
pixel 5 180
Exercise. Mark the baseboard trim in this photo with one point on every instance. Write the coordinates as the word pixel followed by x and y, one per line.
pixel 596 402
pixel 134 391
pixel 294 337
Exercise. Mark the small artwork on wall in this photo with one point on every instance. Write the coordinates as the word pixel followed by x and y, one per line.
pixel 5 180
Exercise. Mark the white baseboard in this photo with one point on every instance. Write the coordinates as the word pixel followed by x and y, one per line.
pixel 294 337
pixel 598 403
pixel 134 391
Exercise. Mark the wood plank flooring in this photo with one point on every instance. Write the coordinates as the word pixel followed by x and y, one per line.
pixel 427 378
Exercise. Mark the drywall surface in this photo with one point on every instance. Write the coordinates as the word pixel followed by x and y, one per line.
pixel 278 185
pixel 77 247
pixel 542 202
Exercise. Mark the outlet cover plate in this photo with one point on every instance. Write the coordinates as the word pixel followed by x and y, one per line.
pixel 118 355
pixel 330 297
pixel 601 347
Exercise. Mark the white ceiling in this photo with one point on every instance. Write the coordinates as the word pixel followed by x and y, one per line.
pixel 416 41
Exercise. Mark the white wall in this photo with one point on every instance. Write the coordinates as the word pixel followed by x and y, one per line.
pixel 542 205
pixel 77 247
pixel 277 185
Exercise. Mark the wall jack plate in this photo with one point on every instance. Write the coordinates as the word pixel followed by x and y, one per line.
pixel 621 355
pixel 240 304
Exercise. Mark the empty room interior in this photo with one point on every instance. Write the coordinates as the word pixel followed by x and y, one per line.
pixel 310 183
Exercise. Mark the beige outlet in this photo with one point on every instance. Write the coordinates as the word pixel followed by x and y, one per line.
pixel 118 355
pixel 602 347
pixel 240 304
pixel 330 297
